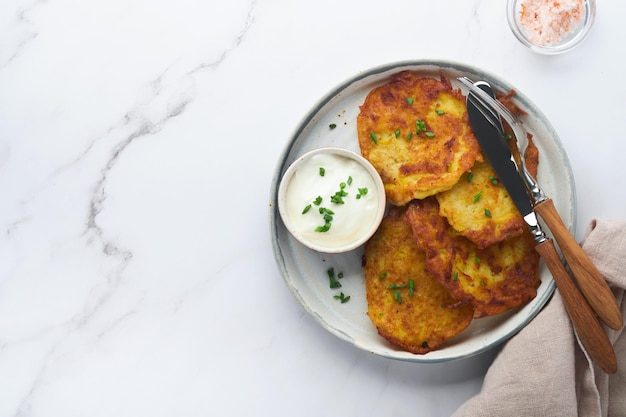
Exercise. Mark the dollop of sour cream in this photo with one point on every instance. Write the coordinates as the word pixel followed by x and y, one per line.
pixel 332 201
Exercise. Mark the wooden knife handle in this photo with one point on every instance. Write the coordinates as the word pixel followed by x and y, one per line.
pixel 587 325
pixel 589 279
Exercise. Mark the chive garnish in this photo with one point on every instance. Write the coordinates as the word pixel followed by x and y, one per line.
pixel 322 171
pixel 396 287
pixel 440 112
pixel 318 200
pixel 374 137
pixel 332 125
pixel 306 209
pixel 342 297
pixel 470 176
pixel 429 134
pixel 397 133
pixel 493 180
pixel 477 197
pixel 324 228
pixel 487 213
pixel 420 125
pixel 409 100
pixel 331 277
pixel 328 218
pixel 398 297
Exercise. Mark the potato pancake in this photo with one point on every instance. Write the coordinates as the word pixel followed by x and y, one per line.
pixel 415 131
pixel 479 208
pixel 494 279
pixel 407 304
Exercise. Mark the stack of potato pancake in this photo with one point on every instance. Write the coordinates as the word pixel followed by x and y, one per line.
pixel 452 247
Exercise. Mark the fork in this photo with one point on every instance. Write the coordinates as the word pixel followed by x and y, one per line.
pixel 589 279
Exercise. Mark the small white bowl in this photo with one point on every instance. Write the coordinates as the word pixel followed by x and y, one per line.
pixel 352 223
pixel 539 35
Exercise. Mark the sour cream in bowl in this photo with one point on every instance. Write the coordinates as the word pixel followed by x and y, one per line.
pixel 331 200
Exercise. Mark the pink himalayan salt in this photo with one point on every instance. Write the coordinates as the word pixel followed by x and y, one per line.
pixel 547 22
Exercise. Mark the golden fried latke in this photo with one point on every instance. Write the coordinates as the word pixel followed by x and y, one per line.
pixel 495 279
pixel 479 208
pixel 415 131
pixel 406 303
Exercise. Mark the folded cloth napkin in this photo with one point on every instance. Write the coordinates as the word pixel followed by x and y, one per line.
pixel 543 371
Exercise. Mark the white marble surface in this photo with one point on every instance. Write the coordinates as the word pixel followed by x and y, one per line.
pixel 137 145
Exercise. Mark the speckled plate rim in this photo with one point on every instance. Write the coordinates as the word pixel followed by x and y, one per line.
pixel 304 271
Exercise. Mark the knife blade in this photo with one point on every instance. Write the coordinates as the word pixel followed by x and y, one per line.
pixel 587 326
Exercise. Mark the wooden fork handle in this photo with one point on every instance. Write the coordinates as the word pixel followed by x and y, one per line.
pixel 588 327
pixel 589 279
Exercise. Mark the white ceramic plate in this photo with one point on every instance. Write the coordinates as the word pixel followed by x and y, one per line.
pixel 305 271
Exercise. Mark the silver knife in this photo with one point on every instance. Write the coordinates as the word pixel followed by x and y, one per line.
pixel 587 326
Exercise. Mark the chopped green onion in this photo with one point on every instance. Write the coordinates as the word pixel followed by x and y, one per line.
pixel 397 133
pixel 342 297
pixel 477 259
pixel 374 137
pixel 337 198
pixel 332 125
pixel 318 200
pixel 322 171
pixel 306 209
pixel 487 213
pixel 493 180
pixel 396 287
pixel 331 277
pixel 409 136
pixel 328 218
pixel 477 197
pixel 455 276
pixel 411 287
pixel 440 112
pixel 383 275
pixel 409 100
pixel 470 176
pixel 398 297
pixel 324 228
pixel 430 134
pixel 350 180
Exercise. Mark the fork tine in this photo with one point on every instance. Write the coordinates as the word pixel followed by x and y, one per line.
pixel 489 101
pixel 488 113
pixel 499 108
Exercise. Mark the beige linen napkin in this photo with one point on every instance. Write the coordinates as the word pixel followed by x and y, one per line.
pixel 543 371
